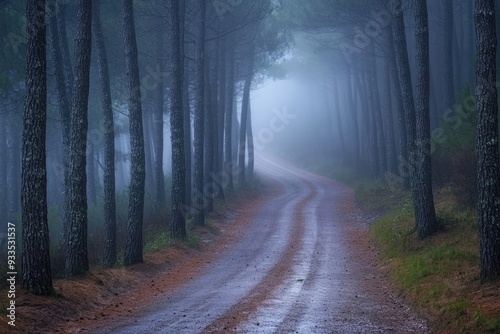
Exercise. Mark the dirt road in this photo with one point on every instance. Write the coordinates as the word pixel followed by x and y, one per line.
pixel 304 265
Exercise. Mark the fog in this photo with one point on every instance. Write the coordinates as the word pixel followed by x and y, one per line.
pixel 146 105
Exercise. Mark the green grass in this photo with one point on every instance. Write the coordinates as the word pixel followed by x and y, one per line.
pixel 435 274
pixel 158 242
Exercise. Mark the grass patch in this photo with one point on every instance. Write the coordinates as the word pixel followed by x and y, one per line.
pixel 439 275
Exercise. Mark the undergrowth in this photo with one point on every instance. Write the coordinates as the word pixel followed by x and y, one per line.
pixel 439 275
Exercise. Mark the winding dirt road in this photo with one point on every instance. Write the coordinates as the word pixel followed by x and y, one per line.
pixel 304 265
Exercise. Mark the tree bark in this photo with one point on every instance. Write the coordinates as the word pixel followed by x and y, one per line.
pixel 36 276
pixel 91 175
pixel 221 112
pixel 64 47
pixel 186 104
pixel 447 48
pixel 159 178
pixel 178 200
pixel 228 119
pixel 210 108
pixel 64 108
pixel 243 130
pixel 251 150
pixel 133 246
pixel 77 257
pixel 392 165
pixel 488 177
pixel 425 216
pixel 109 254
pixel 199 119
pixel 398 96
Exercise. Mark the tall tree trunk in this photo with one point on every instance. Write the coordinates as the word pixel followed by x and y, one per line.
pixel 186 103
pixel 159 178
pixel 372 130
pixel 109 254
pixel 199 118
pixel 178 200
pixel 235 129
pixel 398 96
pixel 55 47
pixel 339 120
pixel 36 276
pixel 251 151
pixel 133 246
pixel 77 261
pixel 91 179
pixel 228 119
pixel 64 47
pixel 381 139
pixel 488 177
pixel 392 165
pixel 243 131
pixel 149 159
pixel 408 101
pixel 425 216
pixel 221 113
pixel 447 48
pixel 354 119
pixel 210 107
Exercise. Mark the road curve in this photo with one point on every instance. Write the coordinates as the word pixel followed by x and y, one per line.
pixel 300 267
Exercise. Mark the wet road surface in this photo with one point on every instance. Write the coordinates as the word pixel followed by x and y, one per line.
pixel 303 266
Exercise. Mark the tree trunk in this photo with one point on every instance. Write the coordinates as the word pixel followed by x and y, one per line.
pixel 425 216
pixel 488 177
pixel 210 107
pixel 403 171
pixel 109 254
pixel 149 159
pixel 159 178
pixel 381 139
pixel 64 47
pixel 186 103
pixel 199 119
pixel 221 114
pixel 77 257
pixel 133 246
pixel 243 131
pixel 372 130
pixel 339 120
pixel 178 200
pixel 228 125
pixel 64 109
pixel 91 181
pixel 251 151
pixel 408 101
pixel 392 165
pixel 447 48
pixel 354 119
pixel 36 276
